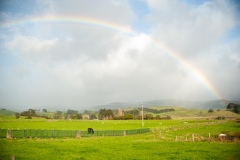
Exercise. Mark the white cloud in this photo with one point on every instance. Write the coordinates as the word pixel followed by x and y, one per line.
pixel 69 64
pixel 189 29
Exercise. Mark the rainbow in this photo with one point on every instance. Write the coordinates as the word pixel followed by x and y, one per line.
pixel 67 19
pixel 119 28
pixel 199 75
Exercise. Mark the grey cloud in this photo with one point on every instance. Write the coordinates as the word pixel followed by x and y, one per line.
pixel 67 64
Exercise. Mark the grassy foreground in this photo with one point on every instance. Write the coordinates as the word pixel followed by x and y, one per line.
pixel 161 143
pixel 129 147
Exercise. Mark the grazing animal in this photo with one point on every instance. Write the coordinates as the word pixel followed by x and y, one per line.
pixel 90 131
pixel 222 137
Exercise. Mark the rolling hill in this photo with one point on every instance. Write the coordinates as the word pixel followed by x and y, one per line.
pixel 214 104
pixel 7 112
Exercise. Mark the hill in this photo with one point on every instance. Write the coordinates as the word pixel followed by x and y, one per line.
pixel 180 113
pixel 214 104
pixel 7 112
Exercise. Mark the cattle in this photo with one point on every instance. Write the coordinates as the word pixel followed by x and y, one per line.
pixel 90 131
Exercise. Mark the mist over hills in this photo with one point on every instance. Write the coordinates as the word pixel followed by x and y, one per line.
pixel 213 104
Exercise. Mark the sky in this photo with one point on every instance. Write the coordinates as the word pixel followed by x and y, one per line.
pixel 82 53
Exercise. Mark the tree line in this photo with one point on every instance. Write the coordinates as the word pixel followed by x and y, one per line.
pixel 70 114
pixel 156 111
pixel 102 114
pixel 234 107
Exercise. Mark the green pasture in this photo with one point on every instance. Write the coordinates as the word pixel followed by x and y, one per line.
pixel 41 123
pixel 160 143
pixel 102 148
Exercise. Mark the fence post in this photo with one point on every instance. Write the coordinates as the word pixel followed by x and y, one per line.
pixel 9 136
pixel 78 134
pixel 193 137
pixel 12 157
pixel 124 132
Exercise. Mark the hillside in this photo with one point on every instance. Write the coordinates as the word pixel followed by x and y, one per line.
pixel 196 113
pixel 7 112
pixel 214 104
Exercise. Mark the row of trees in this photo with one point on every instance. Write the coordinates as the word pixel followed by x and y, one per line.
pixel 103 114
pixel 156 111
pixel 70 114
pixel 234 107
pixel 73 114
pixel 145 117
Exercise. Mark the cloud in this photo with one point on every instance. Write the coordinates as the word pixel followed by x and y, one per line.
pixel 79 65
pixel 191 30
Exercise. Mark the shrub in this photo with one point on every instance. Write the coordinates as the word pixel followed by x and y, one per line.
pixel 210 110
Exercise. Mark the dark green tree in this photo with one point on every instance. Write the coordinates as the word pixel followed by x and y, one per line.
pixel 128 116
pixel 210 110
pixel 236 108
pixel 17 115
pixel 93 116
pixel 79 116
pixel 105 114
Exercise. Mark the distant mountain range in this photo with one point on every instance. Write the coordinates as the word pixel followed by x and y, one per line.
pixel 214 104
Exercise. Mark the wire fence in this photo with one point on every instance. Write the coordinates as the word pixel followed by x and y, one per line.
pixel 42 133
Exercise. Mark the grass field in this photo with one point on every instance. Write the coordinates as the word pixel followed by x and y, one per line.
pixel 161 143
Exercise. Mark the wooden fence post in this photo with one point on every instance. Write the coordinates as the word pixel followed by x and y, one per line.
pixel 78 135
pixel 12 157
pixel 9 135
pixel 193 137
pixel 124 132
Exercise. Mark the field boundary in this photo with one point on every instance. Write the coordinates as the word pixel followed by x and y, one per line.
pixel 51 133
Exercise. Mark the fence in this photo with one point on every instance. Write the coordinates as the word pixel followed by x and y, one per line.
pixel 40 133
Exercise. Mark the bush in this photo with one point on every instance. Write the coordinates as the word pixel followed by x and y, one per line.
pixel 28 117
pixel 220 118
pixel 210 110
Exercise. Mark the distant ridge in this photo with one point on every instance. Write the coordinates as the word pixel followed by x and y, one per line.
pixel 6 112
pixel 213 104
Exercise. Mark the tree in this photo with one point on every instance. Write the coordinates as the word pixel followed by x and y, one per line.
pixel 79 116
pixel 44 110
pixel 230 106
pixel 158 117
pixel 135 113
pixel 233 107
pixel 210 110
pixel 30 112
pixel 105 114
pixel 148 116
pixel 128 116
pixel 69 111
pixel 17 115
pixel 236 108
pixel 93 116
